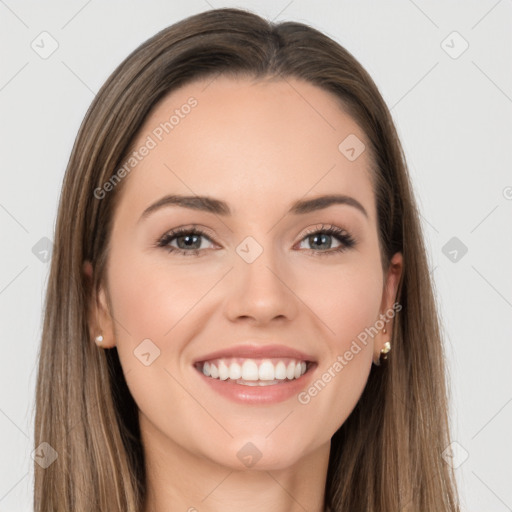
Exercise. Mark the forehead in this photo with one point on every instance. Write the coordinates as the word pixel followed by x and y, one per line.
pixel 250 142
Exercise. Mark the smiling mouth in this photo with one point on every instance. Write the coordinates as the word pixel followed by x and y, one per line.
pixel 255 371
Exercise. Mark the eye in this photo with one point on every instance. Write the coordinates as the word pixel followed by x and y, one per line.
pixel 188 241
pixel 321 238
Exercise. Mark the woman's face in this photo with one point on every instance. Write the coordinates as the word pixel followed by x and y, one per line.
pixel 259 285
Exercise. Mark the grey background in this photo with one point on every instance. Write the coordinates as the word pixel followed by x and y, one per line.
pixel 454 119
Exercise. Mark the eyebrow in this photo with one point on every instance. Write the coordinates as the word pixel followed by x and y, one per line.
pixel 216 206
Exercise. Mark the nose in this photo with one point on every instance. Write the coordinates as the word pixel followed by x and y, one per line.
pixel 261 291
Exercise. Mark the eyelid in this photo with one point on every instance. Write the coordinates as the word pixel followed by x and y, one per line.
pixel 322 227
pixel 187 228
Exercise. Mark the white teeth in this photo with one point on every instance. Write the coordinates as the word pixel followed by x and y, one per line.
pixel 235 371
pixel 258 382
pixel 266 371
pixel 249 371
pixel 223 371
pixel 280 372
pixel 254 371
pixel 214 372
pixel 290 371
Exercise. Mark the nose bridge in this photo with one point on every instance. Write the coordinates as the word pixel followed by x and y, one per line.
pixel 258 283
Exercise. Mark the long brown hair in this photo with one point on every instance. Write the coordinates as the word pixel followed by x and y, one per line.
pixel 387 456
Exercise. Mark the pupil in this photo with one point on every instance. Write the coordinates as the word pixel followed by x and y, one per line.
pixel 188 240
pixel 323 237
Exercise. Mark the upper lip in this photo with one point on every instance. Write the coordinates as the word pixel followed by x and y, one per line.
pixel 253 351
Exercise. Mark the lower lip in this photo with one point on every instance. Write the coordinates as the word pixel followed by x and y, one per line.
pixel 243 394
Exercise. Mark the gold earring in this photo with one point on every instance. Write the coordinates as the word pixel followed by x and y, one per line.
pixel 99 340
pixel 383 353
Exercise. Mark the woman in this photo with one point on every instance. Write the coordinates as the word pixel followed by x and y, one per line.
pixel 239 311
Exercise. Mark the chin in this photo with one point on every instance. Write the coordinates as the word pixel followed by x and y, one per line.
pixel 260 453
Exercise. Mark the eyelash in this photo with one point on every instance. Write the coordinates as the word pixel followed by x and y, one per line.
pixel 345 239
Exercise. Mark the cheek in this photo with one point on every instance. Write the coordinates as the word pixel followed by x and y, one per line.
pixel 358 308
pixel 150 296
pixel 346 301
pixel 155 302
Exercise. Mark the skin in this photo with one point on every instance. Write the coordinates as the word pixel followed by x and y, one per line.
pixel 259 146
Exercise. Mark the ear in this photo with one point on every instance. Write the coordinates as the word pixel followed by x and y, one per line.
pixel 391 282
pixel 99 319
